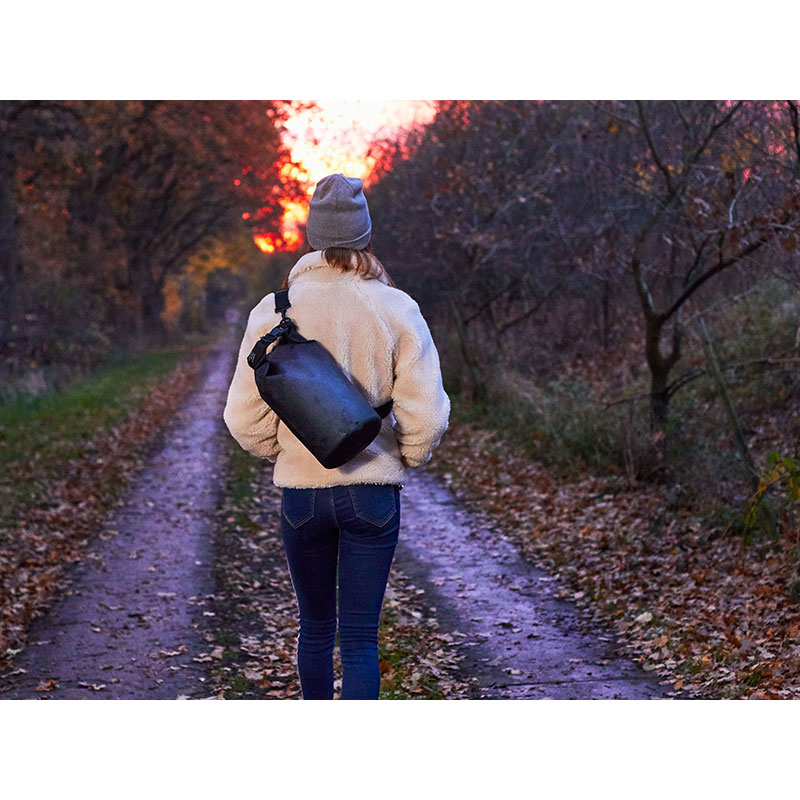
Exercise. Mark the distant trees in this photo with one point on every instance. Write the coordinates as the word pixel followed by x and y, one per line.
pixel 34 132
pixel 554 221
pixel 101 201
pixel 472 208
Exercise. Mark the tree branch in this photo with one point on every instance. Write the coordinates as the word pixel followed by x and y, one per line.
pixel 718 267
pixel 651 144
pixel 793 115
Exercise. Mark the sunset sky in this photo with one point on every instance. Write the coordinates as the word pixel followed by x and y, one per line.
pixel 335 137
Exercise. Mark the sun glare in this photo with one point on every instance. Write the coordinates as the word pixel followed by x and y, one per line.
pixel 336 136
pixel 264 243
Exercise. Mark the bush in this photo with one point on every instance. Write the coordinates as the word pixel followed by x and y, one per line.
pixel 565 424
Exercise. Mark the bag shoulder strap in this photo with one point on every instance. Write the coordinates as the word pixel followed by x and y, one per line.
pixel 259 351
pixel 282 301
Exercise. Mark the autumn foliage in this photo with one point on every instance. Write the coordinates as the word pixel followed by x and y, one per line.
pixel 103 202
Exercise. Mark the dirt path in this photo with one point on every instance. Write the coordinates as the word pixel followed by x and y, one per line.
pixel 517 639
pixel 130 623
pixel 133 620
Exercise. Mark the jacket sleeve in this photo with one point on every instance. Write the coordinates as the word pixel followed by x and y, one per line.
pixel 421 405
pixel 251 422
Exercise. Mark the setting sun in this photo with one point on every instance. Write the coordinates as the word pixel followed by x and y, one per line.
pixel 335 136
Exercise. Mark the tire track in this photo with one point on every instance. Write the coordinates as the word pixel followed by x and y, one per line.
pixel 129 624
pixel 518 640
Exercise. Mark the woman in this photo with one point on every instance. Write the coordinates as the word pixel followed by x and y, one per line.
pixel 345 519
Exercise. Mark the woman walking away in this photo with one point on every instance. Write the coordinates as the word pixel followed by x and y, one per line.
pixel 347 519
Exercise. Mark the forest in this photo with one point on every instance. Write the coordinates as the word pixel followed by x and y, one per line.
pixel 113 214
pixel 613 288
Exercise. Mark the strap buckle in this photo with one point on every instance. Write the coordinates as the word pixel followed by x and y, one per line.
pixel 259 351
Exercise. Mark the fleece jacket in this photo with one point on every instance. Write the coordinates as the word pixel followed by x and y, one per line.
pixel 381 341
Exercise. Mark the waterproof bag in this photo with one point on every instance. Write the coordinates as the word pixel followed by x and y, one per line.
pixel 307 389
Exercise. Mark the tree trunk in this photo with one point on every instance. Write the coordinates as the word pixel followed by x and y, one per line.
pixel 659 411
pixel 473 384
pixel 659 374
pixel 659 383
pixel 10 267
pixel 152 304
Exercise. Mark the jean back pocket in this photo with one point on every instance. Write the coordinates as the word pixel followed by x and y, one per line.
pixel 297 505
pixel 375 503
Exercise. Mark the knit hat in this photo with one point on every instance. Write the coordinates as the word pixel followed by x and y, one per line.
pixel 338 215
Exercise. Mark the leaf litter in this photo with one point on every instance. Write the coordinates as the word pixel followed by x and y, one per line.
pixel 55 531
pixel 707 613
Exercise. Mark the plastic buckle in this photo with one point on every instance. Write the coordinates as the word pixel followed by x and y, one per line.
pixel 260 348
pixel 257 353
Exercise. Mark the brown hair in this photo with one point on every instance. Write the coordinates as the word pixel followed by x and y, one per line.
pixel 367 265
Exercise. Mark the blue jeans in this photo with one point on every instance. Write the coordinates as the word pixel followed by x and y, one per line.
pixel 355 528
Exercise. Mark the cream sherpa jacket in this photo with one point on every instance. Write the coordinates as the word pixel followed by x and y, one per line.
pixel 378 336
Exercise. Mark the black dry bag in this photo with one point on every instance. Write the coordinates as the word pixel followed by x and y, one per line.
pixel 307 389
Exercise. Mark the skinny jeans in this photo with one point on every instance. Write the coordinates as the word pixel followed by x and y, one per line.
pixel 348 532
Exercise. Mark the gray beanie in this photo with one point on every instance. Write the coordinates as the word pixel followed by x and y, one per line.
pixel 338 215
